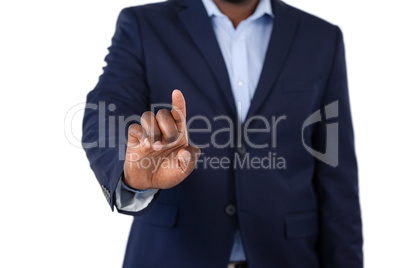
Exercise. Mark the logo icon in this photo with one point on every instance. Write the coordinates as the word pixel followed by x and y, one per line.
pixel 331 154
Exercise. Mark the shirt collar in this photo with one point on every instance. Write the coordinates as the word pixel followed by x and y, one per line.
pixel 263 7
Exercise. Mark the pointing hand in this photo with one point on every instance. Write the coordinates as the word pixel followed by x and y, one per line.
pixel 158 155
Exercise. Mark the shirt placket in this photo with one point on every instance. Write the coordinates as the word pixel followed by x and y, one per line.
pixel 240 81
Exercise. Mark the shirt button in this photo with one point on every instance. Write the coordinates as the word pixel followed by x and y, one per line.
pixel 242 149
pixel 230 210
pixel 240 83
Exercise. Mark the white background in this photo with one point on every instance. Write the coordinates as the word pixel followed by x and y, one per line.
pixel 53 213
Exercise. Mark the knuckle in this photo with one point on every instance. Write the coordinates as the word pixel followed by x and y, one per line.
pixel 147 114
pixel 147 118
pixel 135 129
pixel 170 137
pixel 162 114
pixel 155 134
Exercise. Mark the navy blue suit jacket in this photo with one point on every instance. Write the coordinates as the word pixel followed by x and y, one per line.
pixel 306 215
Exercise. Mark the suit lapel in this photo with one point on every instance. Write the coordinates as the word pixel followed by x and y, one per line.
pixel 198 25
pixel 283 33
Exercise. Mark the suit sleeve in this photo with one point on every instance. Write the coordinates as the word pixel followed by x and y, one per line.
pixel 340 242
pixel 118 100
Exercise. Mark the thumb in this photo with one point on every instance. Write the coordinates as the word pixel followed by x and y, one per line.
pixel 188 157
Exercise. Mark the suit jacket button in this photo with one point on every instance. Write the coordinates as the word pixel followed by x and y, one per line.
pixel 230 210
pixel 242 149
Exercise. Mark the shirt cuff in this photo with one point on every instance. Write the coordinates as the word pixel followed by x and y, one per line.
pixel 128 188
pixel 132 200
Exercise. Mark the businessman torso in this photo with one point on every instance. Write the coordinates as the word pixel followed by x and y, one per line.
pixel 290 207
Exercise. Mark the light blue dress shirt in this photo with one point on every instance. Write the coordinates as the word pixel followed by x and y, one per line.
pixel 243 49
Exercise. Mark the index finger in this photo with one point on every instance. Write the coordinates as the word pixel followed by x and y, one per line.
pixel 179 110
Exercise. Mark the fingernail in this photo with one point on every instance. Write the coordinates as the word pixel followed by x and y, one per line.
pixel 147 144
pixel 185 155
pixel 157 146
